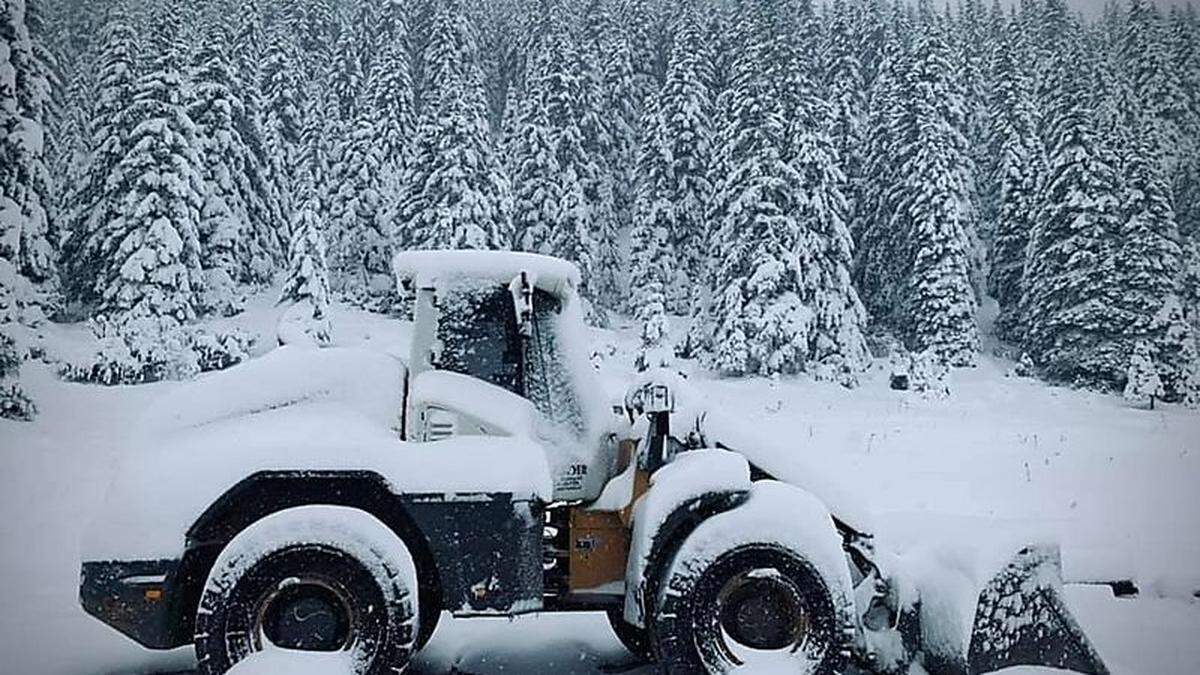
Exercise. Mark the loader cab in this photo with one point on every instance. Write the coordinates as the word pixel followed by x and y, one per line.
pixel 497 338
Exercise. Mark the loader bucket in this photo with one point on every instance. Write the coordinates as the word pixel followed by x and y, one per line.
pixel 1021 620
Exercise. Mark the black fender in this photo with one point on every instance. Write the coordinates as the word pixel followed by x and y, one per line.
pixel 267 492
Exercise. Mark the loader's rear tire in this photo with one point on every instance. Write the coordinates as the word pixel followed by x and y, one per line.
pixel 313 578
pixel 636 640
pixel 756 607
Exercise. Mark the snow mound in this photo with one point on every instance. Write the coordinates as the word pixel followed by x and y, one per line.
pixel 286 662
pixel 365 381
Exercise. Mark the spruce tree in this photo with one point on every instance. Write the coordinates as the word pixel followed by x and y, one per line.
pixel 1069 305
pixel 305 294
pixel 535 171
pixel 686 116
pixel 1019 170
pixel 1148 262
pixel 94 206
pixel 24 179
pixel 621 113
pixel 225 226
pixel 461 196
pixel 571 234
pixel 652 255
pixel 152 277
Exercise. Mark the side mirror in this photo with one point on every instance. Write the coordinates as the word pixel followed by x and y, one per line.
pixel 522 294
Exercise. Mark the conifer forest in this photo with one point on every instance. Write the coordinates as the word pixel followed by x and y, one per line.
pixel 771 187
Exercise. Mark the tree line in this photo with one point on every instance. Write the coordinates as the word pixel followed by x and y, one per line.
pixel 801 182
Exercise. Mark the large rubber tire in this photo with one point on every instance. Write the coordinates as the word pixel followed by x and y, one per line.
pixel 688 629
pixel 343 561
pixel 636 640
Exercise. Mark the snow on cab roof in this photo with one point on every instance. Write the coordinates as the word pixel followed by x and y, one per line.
pixel 426 268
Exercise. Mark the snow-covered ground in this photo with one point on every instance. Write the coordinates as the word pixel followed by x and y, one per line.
pixel 1004 459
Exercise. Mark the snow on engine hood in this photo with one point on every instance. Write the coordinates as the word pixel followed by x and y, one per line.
pixel 291 410
pixel 792 463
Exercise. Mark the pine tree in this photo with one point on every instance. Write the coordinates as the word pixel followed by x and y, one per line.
pixel 152 276
pixel 535 171
pixel 651 252
pixel 25 248
pixel 1068 301
pixel 571 234
pixel 935 303
pixel 1019 170
pixel 225 226
pixel 282 106
pixel 620 110
pixel 306 288
pixel 686 115
pixel 461 194
pixel 1147 257
pixel 94 205
pixel 776 299
pixel 878 266
pixel 1142 385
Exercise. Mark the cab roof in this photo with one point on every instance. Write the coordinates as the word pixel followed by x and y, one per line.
pixel 426 269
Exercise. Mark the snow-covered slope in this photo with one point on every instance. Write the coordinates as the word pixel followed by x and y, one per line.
pixel 1003 459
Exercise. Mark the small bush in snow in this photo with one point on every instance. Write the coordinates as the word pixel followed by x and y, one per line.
pixel 930 374
pixel 14 404
pixel 137 351
pixel 1025 367
pixel 218 351
pixel 1142 385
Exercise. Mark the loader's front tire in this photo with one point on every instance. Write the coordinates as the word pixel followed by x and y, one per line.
pixel 313 578
pixel 757 606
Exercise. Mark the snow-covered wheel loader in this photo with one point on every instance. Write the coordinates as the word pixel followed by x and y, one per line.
pixel 340 500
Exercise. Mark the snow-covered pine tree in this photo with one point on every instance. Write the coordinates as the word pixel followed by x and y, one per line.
pixel 1148 260
pixel 93 206
pixel 1069 306
pixel 759 324
pixel 535 174
pixel 621 113
pixel 151 277
pixel 305 319
pixel 1185 59
pixel 1142 385
pixel 845 90
pixel 1154 88
pixel 354 212
pixel 224 227
pixel 462 196
pixel 1019 170
pixel 878 267
pixel 282 106
pixel 263 187
pixel 937 302
pixel 152 251
pixel 571 234
pixel 652 255
pixel 774 288
pixel 24 179
pixel 685 108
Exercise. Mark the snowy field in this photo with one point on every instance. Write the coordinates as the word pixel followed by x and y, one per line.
pixel 1003 459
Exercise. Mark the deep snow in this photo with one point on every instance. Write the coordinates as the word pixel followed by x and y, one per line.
pixel 1003 459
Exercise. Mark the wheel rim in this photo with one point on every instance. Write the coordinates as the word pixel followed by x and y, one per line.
pixel 761 611
pixel 306 614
